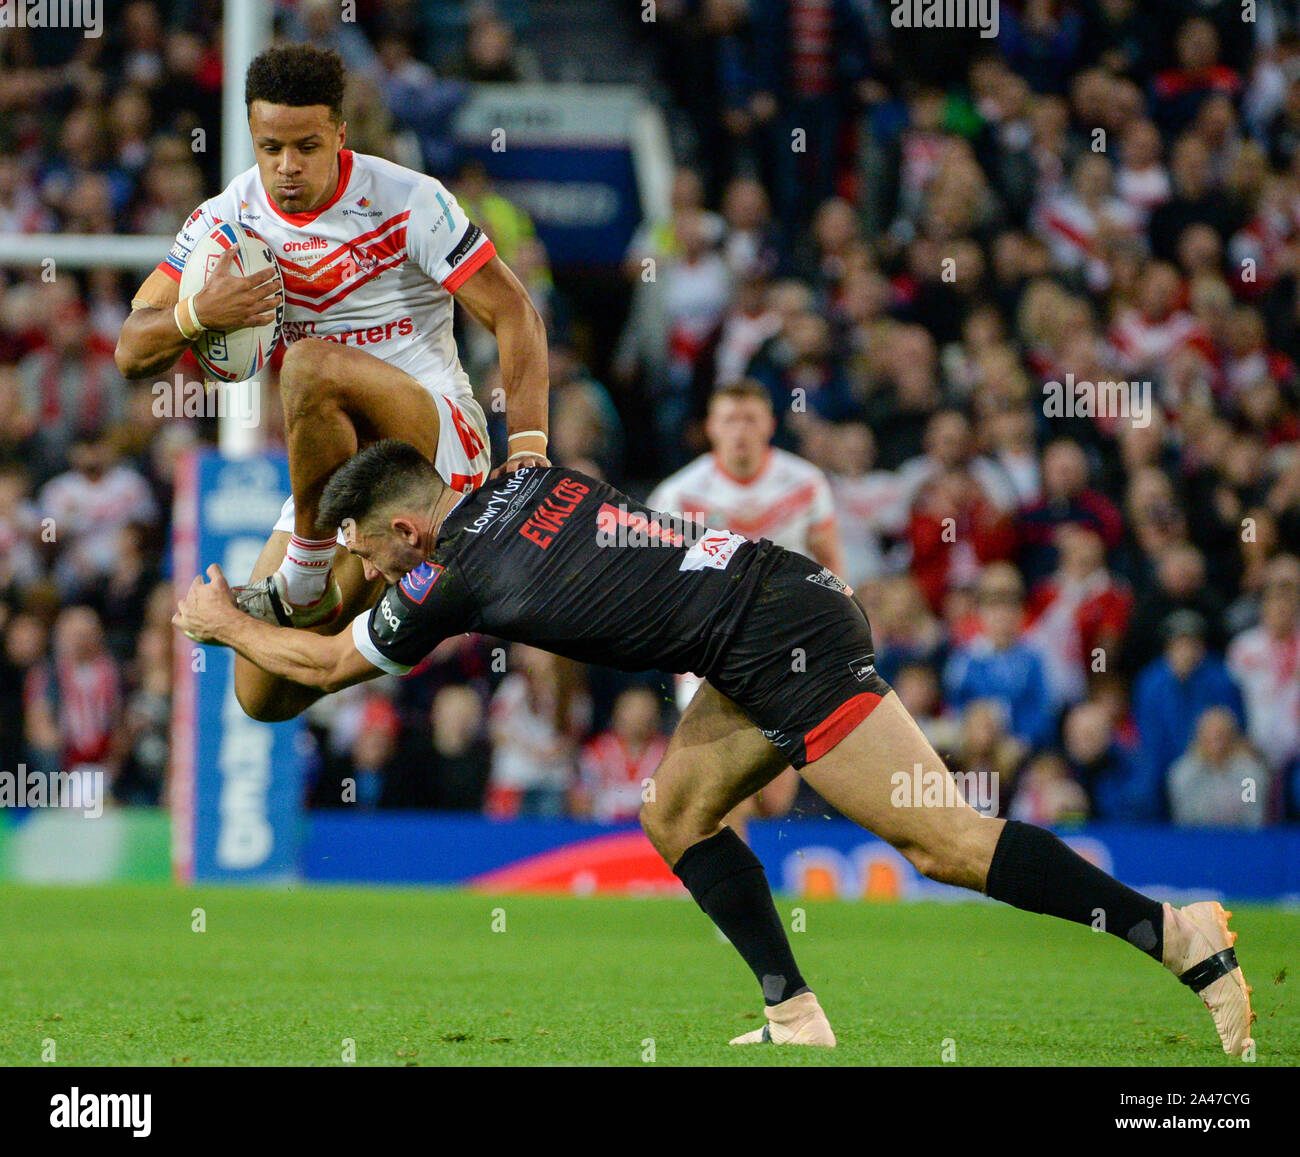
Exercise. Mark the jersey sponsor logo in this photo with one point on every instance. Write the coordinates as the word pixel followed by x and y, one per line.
pixel 831 581
pixel 499 501
pixel 714 550
pixel 417 584
pixel 373 335
pixel 444 216
pixel 463 246
pixel 553 511
pixel 386 612
pixel 307 246
pixel 861 669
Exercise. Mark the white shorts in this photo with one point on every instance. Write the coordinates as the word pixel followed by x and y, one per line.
pixel 464 456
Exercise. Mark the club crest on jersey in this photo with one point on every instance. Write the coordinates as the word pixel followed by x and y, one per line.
pixel 417 584
pixel 714 550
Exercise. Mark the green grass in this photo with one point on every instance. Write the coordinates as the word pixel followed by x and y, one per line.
pixel 115 976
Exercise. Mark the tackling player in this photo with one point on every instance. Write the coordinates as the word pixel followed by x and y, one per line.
pixel 761 491
pixel 370 254
pixel 558 560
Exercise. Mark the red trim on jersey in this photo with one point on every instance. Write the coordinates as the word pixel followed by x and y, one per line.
pixel 470 442
pixel 466 482
pixel 476 261
pixel 167 268
pixel 345 175
pixel 838 724
pixel 762 469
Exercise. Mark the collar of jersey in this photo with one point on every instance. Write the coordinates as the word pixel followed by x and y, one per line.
pixel 767 461
pixel 345 175
pixel 449 513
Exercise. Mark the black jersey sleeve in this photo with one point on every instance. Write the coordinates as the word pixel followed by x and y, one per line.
pixel 430 604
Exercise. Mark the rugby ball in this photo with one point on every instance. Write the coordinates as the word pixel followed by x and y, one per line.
pixel 237 355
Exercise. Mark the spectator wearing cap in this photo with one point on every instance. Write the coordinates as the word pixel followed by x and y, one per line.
pixel 1000 664
pixel 1172 692
pixel 1219 781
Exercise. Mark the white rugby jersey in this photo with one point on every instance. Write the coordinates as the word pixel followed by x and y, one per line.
pixel 374 267
pixel 785 501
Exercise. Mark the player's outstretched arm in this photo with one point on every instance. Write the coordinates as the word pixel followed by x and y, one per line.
pixel 326 662
pixel 496 298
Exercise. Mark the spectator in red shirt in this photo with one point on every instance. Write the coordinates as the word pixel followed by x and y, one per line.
pixel 1078 616
pixel 616 765
pixel 955 529
pixel 74 702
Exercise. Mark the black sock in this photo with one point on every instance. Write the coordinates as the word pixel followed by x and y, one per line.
pixel 1033 870
pixel 728 882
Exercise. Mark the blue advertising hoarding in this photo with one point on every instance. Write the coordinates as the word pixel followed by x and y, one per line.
pixel 236 788
pixel 568 156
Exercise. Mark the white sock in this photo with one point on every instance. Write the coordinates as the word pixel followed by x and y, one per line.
pixel 306 568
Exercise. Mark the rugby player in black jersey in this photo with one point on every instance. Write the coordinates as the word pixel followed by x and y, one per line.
pixel 558 560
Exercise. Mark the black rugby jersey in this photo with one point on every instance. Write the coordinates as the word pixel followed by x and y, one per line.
pixel 564 562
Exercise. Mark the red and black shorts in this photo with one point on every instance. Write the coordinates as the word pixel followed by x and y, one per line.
pixel 801 664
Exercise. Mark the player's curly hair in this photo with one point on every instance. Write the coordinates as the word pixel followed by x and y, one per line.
pixel 297 75
pixel 385 474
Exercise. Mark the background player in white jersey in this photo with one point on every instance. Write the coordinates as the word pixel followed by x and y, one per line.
pixel 370 254
pixel 749 486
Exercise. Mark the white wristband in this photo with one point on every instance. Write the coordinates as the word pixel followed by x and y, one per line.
pixel 529 454
pixel 528 434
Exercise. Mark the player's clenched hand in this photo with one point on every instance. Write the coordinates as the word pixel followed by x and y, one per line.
pixel 519 463
pixel 230 302
pixel 205 607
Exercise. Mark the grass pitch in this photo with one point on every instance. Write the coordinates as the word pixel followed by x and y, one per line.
pixel 120 976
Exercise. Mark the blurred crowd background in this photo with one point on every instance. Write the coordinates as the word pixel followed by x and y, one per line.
pixel 1110 189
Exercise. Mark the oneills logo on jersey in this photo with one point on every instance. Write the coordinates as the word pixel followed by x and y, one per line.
pixel 417 584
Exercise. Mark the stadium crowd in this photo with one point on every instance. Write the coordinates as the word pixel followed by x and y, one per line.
pixel 1101 606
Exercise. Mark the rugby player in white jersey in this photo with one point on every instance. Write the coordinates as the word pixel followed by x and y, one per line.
pixel 370 254
pixel 760 491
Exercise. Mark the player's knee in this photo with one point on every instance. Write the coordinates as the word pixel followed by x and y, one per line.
pixel 938 862
pixel 673 823
pixel 305 374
